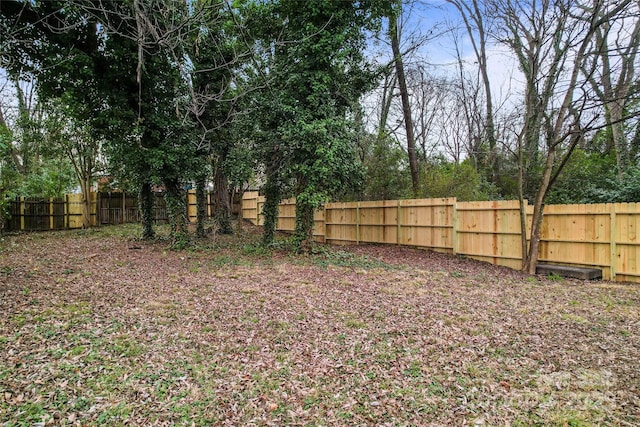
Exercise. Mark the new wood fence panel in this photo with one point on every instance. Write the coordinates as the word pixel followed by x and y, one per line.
pixel 260 207
pixel 626 241
pixel 378 221
pixel 74 210
pixel 319 226
pixel 340 223
pixel 287 215
pixel 605 236
pixel 490 231
pixel 192 206
pixel 577 235
pixel 427 223
pixel 250 206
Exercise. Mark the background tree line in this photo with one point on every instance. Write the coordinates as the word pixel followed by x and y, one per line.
pixel 322 100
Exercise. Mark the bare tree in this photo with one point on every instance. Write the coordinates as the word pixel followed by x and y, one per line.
pixel 478 25
pixel 611 71
pixel 395 30
pixel 21 118
pixel 550 40
pixel 427 95
pixel 460 122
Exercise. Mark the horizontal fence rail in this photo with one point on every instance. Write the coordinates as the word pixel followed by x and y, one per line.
pixel 604 236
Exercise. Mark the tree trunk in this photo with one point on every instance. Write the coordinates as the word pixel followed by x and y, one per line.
pixel 304 227
pixel 385 105
pixel 523 207
pixel 406 106
pixel 85 189
pixel 240 217
pixel 538 213
pixel 490 129
pixel 146 208
pixel 615 117
pixel 176 208
pixel 201 206
pixel 270 209
pixel 221 208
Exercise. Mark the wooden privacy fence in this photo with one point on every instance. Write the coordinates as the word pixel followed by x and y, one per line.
pixel 604 236
pixel 37 214
pixel 41 214
pixel 120 208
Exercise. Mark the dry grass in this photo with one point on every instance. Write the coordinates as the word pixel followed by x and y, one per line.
pixel 99 329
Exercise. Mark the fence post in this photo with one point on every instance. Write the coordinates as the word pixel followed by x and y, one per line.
pixel 357 223
pixel 66 211
pixel 21 209
pixel 324 223
pixel 50 213
pixel 93 207
pixel 454 233
pixel 258 209
pixel 399 223
pixel 612 240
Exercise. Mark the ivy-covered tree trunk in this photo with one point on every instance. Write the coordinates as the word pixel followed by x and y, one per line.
pixel 221 209
pixel 201 206
pixel 176 208
pixel 304 225
pixel 272 196
pixel 240 217
pixel 146 209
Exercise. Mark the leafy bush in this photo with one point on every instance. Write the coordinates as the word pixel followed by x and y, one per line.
pixel 585 179
pixel 616 189
pixel 447 179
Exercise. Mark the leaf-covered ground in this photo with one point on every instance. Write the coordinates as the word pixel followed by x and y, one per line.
pixel 98 328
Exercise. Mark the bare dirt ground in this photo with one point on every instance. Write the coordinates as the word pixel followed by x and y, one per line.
pixel 98 328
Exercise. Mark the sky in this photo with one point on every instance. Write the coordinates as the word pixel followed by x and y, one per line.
pixel 442 19
pixel 435 23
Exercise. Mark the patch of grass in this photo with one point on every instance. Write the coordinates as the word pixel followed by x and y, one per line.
pixel 555 277
pixel 414 370
pixel 355 323
pixel 116 415
pixel 18 320
pixel 126 231
pixel 571 317
pixel 126 347
pixel 224 260
pixel 256 249
pixel 325 256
